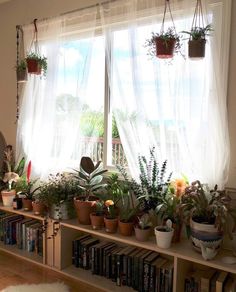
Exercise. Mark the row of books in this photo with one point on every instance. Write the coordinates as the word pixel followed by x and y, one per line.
pixel 210 280
pixel 141 269
pixel 25 233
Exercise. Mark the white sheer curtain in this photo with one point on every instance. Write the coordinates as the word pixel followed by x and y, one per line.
pixel 48 130
pixel 180 107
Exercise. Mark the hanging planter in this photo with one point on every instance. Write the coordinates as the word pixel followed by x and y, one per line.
pixel 198 33
pixel 21 71
pixel 163 45
pixel 36 63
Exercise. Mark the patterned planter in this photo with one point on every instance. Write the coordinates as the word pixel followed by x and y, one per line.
pixel 206 234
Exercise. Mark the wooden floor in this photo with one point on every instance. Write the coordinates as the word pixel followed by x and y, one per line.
pixel 15 271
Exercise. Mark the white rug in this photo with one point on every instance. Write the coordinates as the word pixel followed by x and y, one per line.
pixel 54 287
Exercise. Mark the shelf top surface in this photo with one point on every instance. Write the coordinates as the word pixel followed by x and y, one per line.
pixel 182 250
pixel 29 214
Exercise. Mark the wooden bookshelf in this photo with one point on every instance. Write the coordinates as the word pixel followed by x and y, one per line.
pixel 28 214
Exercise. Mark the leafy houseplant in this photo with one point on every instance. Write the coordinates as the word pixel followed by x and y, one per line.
pixel 207 211
pixel 36 63
pixel 152 184
pixel 89 178
pixel 197 41
pixel 57 195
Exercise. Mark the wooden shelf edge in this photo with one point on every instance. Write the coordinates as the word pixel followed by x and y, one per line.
pixel 22 212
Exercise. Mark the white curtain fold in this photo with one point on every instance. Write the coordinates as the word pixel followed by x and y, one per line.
pixel 180 107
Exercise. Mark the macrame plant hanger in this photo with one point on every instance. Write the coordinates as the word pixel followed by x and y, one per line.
pixel 198 20
pixel 21 71
pixel 165 46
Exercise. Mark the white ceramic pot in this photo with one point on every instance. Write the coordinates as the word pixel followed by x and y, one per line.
pixel 7 197
pixel 164 236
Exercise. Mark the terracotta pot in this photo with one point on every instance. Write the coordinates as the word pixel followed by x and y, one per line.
pixel 97 221
pixel 27 204
pixel 33 67
pixel 111 225
pixel 38 208
pixel 142 234
pixel 196 48
pixel 206 234
pixel 7 197
pixel 165 48
pixel 126 228
pixel 84 209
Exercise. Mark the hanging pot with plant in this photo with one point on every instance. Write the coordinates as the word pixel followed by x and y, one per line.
pixel 36 63
pixel 198 33
pixel 163 45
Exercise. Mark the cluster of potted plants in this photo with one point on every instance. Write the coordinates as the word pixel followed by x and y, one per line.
pixel 154 204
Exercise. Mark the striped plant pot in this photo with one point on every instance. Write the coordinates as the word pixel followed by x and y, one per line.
pixel 207 234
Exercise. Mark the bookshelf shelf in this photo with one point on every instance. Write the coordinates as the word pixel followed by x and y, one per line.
pixel 21 212
pixel 29 256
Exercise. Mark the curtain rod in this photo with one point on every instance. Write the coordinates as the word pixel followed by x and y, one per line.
pixel 75 10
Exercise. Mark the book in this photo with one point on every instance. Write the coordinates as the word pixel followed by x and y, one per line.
pixel 220 281
pixel 126 254
pixel 155 276
pixel 146 270
pixel 130 266
pixel 75 248
pixel 140 270
pixel 206 279
pixel 106 250
pixel 85 245
pixel 167 270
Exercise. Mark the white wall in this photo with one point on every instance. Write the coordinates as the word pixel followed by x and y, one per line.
pixel 24 11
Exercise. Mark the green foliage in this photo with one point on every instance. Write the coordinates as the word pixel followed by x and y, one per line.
pixel 25 188
pixel 21 66
pixel 128 212
pixel 152 183
pixel 58 189
pixel 197 33
pixel 41 60
pixel 144 221
pixel 116 189
pixel 208 206
pixel 166 36
pixel 99 208
pixel 89 176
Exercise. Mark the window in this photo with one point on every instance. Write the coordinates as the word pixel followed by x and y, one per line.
pixel 104 97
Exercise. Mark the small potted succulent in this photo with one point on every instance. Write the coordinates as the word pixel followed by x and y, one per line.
pixel 36 64
pixel 197 41
pixel 110 219
pixel 97 217
pixel 143 228
pixel 208 213
pixel 21 71
pixel 90 179
pixel 164 234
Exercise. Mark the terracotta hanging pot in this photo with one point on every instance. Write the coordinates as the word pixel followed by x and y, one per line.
pixel 111 225
pixel 84 209
pixel 27 204
pixel 33 66
pixel 196 48
pixel 165 47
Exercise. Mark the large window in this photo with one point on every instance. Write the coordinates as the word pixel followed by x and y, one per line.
pixel 106 98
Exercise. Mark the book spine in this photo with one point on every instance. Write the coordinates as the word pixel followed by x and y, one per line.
pixel 93 259
pixel 146 277
pixel 124 270
pixel 118 269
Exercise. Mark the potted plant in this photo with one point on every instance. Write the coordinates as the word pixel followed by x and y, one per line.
pixel 97 217
pixel 143 228
pixel 57 195
pixel 10 175
pixel 164 235
pixel 25 187
pixel 36 63
pixel 207 212
pixel 110 219
pixel 89 178
pixel 170 206
pixel 21 71
pixel 197 41
pixel 164 44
